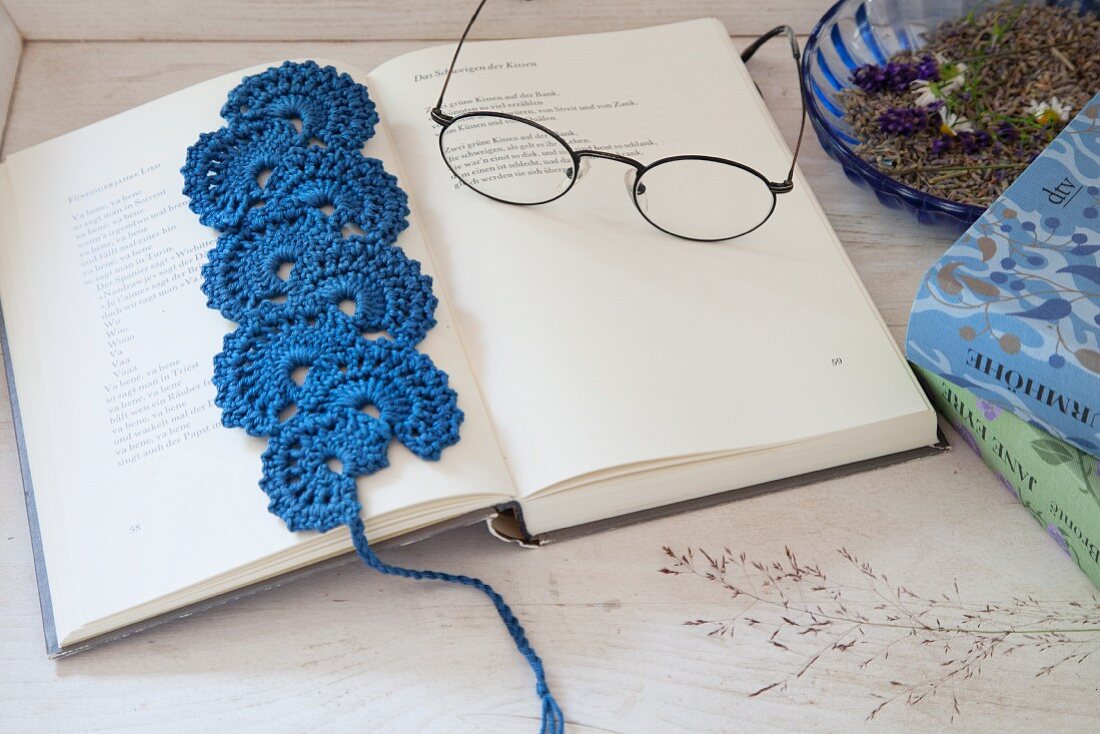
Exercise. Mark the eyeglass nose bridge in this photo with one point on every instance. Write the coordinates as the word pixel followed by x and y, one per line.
pixel 631 176
pixel 581 154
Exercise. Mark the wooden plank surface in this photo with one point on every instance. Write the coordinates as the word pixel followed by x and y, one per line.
pixel 216 20
pixel 350 651
pixel 11 47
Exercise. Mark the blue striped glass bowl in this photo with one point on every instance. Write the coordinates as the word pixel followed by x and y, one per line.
pixel 857 32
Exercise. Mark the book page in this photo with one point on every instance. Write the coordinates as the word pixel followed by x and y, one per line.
pixel 140 490
pixel 600 341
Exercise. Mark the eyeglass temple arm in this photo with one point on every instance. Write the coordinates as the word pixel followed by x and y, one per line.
pixel 788 183
pixel 437 113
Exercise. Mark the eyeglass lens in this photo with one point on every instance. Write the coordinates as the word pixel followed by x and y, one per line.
pixel 507 159
pixel 703 199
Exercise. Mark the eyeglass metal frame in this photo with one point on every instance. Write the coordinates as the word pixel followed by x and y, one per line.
pixel 637 188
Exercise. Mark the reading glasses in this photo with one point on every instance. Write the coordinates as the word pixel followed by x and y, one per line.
pixel 516 160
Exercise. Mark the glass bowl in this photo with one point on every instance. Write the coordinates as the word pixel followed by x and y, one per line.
pixel 857 32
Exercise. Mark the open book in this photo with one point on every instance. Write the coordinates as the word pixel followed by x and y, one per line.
pixel 605 368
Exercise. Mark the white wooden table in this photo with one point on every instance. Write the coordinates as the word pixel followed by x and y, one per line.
pixel 347 650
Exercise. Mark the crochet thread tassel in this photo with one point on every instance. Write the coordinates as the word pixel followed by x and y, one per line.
pixel 553 720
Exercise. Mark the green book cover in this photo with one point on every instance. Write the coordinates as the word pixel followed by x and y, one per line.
pixel 1058 483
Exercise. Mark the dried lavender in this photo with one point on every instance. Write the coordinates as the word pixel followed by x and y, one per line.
pixel 987 94
pixel 897 75
pixel 903 121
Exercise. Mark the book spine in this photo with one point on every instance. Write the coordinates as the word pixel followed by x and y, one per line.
pixel 1011 310
pixel 1056 482
pixel 1051 393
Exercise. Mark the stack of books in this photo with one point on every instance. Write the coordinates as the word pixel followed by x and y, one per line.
pixel 1005 332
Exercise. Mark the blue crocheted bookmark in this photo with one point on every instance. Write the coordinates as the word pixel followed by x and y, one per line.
pixel 323 362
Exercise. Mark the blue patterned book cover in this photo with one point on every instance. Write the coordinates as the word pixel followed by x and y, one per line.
pixel 1012 310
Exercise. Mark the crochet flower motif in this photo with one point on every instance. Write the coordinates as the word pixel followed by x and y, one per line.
pixel 223 170
pixel 349 187
pixel 305 264
pixel 343 427
pixel 329 107
pixel 279 360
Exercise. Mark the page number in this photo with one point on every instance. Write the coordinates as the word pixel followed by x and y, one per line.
pixel 837 361
pixel 135 528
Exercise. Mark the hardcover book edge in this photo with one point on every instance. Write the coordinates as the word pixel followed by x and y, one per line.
pixel 507 523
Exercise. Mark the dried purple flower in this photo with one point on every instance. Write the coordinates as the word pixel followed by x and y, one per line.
pixel 972 142
pixel 942 144
pixel 1039 140
pixel 1007 132
pixel 896 76
pixel 871 78
pixel 904 121
pixel 899 76
pixel 928 69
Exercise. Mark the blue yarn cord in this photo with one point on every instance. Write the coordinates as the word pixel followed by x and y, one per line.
pixel 553 720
